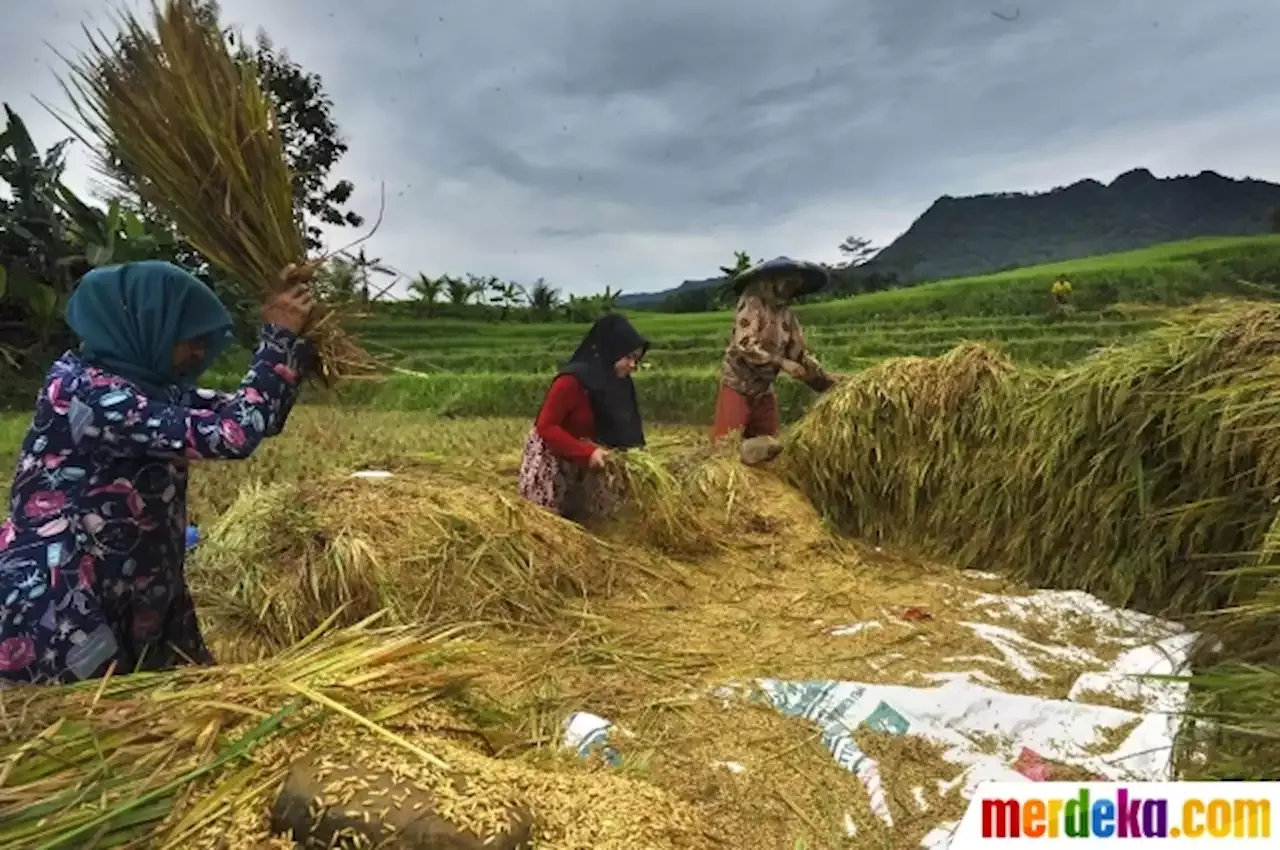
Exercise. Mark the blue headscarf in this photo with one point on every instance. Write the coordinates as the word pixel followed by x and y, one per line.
pixel 130 317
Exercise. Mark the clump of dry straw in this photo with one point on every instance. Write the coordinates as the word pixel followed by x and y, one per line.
pixel 1138 474
pixel 660 504
pixel 117 762
pixel 284 558
pixel 193 758
pixel 689 502
pixel 878 452
pixel 188 121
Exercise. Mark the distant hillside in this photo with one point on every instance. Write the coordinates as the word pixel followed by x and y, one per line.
pixel 962 237
pixel 640 299
pixel 959 237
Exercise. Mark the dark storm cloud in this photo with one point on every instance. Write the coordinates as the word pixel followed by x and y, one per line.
pixel 634 144
pixel 690 110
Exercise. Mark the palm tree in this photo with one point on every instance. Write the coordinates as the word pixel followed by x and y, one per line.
pixel 457 289
pixel 543 299
pixel 427 292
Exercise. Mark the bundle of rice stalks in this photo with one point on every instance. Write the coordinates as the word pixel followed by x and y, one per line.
pixel 879 452
pixel 284 558
pixel 702 499
pixel 1137 474
pixel 1145 471
pixel 661 506
pixel 1230 731
pixel 1249 631
pixel 696 500
pixel 189 122
pixel 169 759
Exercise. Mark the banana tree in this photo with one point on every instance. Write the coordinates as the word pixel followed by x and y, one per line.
pixel 608 300
pixel 741 262
pixel 508 295
pixel 583 308
pixel 478 285
pixel 8 354
pixel 458 290
pixel 36 252
pixel 119 235
pixel 49 237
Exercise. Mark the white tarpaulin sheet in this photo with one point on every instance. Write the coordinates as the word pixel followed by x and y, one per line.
pixel 961 711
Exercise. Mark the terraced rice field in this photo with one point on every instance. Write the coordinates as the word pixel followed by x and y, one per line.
pixel 457 368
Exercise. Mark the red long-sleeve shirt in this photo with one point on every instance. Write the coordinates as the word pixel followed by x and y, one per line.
pixel 566 423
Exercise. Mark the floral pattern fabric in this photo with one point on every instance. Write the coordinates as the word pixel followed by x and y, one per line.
pixel 765 334
pixel 91 557
pixel 568 489
pixel 539 471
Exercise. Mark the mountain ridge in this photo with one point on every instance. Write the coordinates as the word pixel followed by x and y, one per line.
pixel 981 234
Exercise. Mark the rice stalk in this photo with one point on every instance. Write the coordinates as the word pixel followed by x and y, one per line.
pixel 171 106
pixel 1231 730
pixel 1148 474
pixel 115 762
pixel 660 504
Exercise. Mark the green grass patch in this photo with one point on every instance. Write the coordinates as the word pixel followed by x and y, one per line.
pixel 675 396
pixel 13 429
pixel 1170 274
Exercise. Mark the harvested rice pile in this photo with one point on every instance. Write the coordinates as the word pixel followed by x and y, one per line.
pixel 879 452
pixel 284 559
pixel 700 770
pixel 689 505
pixel 1148 474
pixel 195 758
pixel 428 545
pixel 1120 475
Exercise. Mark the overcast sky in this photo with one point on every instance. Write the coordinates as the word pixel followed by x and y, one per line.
pixel 639 143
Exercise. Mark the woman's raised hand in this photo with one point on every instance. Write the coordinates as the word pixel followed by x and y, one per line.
pixel 291 308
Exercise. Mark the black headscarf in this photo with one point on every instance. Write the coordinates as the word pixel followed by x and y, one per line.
pixel 613 399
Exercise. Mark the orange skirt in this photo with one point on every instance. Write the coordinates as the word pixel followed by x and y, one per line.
pixel 754 416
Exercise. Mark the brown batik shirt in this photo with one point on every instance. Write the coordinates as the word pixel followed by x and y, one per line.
pixel 763 336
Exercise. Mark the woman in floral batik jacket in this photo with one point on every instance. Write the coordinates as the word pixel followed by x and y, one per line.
pixel 767 339
pixel 91 557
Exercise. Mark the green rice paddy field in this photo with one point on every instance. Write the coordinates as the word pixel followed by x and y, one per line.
pixel 460 368
pixel 474 368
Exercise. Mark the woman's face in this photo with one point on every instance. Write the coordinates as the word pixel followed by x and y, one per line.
pixel 785 288
pixel 188 355
pixel 624 366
